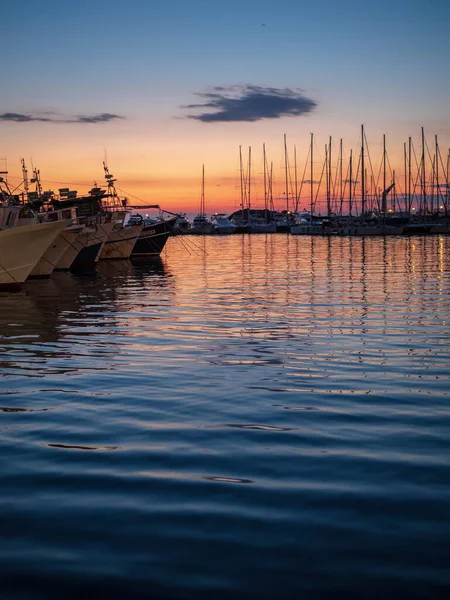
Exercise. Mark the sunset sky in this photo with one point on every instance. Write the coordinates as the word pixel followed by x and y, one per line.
pixel 159 88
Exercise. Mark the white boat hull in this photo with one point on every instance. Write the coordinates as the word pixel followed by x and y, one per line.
pixel 120 242
pixel 85 249
pixel 22 247
pixel 54 253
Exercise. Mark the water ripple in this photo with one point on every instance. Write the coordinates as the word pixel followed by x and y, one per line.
pixel 262 416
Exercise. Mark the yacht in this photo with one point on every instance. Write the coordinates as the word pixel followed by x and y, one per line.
pixel 222 224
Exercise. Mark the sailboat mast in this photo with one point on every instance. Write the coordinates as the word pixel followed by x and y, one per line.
pixel 363 176
pixel 296 180
pixel 311 201
pixel 249 177
pixel 384 197
pixel 341 197
pixel 409 176
pixel 438 201
pixel 265 181
pixel 287 179
pixel 241 181
pixel 202 196
pixel 350 199
pixel 424 200
pixel 406 176
pixel 447 183
pixel 329 180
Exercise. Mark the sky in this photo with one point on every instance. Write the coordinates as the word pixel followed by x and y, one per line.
pixel 160 88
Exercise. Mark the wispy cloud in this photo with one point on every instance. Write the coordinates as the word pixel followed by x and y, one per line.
pixel 22 118
pixel 250 103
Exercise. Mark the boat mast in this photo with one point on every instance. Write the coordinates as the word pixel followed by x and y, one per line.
pixel 384 197
pixel 341 197
pixel 438 201
pixel 351 185
pixel 202 195
pixel 296 180
pixel 265 182
pixel 406 177
pixel 37 180
pixel 447 183
pixel 409 176
pixel 423 199
pixel 329 181
pixel 363 175
pixel 25 177
pixel 241 181
pixel 249 177
pixel 311 201
pixel 286 168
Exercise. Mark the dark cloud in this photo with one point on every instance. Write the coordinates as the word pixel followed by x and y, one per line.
pixel 20 118
pixel 103 118
pixel 309 181
pixel 250 103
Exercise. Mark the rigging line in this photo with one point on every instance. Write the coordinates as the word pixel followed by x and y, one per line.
pixel 185 246
pixel 344 189
pixel 195 245
pixel 303 177
pixel 50 181
pixel 131 195
pixel 368 154
pixel 9 274
pixel 318 187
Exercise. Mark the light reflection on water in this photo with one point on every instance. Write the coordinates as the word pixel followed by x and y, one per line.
pixel 134 401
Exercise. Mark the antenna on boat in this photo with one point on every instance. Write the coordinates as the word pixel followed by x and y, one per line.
pixel 25 176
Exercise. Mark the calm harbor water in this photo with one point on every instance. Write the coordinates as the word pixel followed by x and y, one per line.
pixel 247 417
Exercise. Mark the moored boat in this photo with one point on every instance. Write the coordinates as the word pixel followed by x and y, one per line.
pixel 222 225
pixel 121 240
pixel 21 247
pixel 153 238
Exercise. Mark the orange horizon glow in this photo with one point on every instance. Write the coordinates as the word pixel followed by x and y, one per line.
pixel 168 172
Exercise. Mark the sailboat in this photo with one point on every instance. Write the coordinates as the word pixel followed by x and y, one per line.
pixel 305 223
pixel 201 225
pixel 379 225
pixel 264 225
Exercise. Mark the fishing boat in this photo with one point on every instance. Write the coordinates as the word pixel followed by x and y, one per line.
pixel 97 224
pixel 121 239
pixel 49 260
pixel 21 246
pixel 153 237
